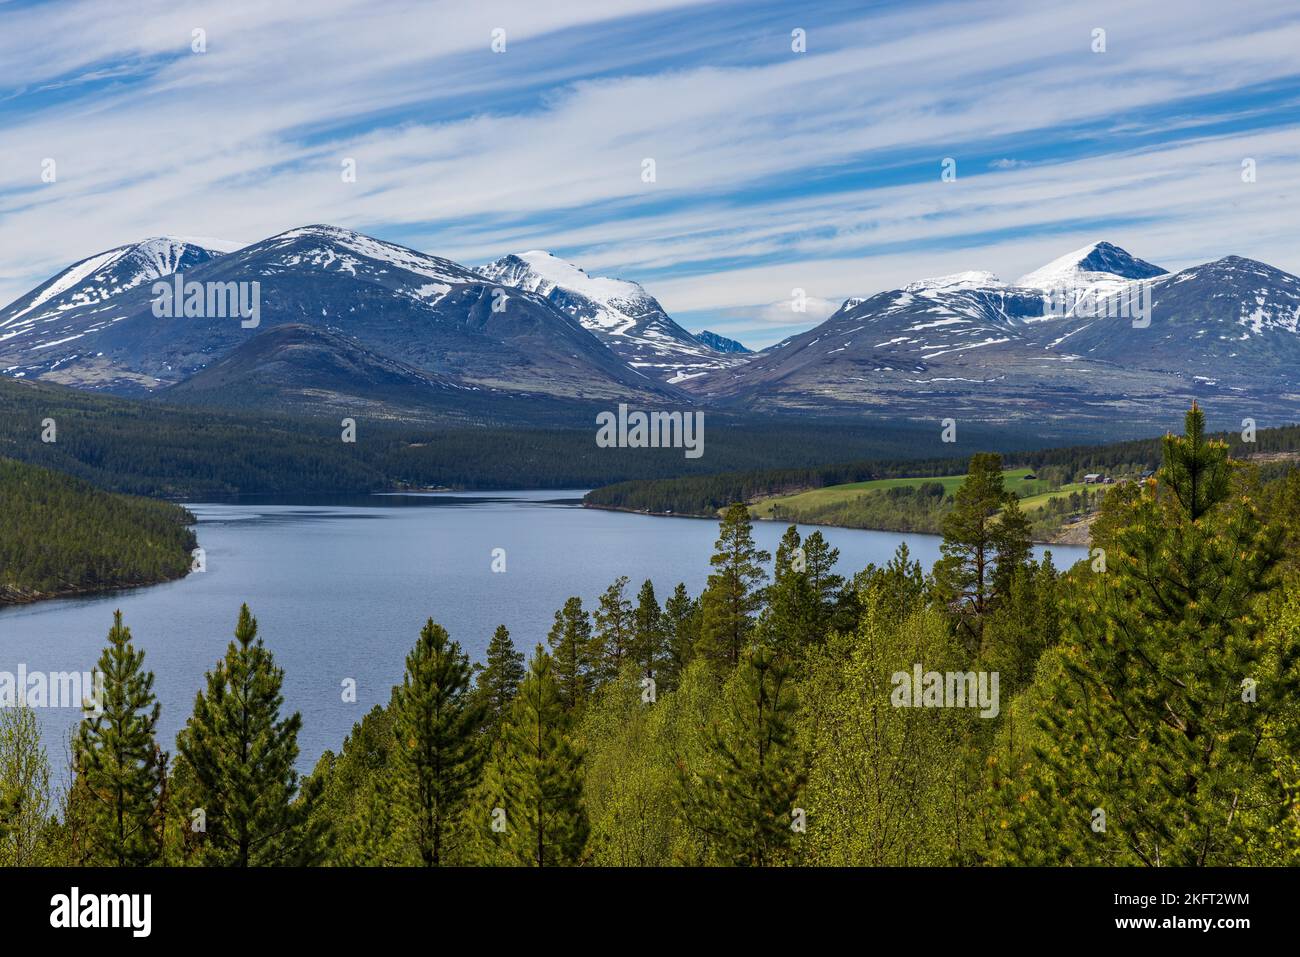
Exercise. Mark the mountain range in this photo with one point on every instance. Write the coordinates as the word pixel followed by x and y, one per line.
pixel 349 322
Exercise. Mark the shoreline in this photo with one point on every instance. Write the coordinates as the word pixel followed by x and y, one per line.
pixel 12 596
pixel 1059 540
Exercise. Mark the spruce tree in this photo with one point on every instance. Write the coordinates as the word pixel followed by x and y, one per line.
pixel 681 621
pixel 574 649
pixel 1167 709
pixel 648 633
pixel 744 801
pixel 239 755
pixel 614 631
pixel 117 760
pixel 439 753
pixel 531 810
pixel 497 682
pixel 734 592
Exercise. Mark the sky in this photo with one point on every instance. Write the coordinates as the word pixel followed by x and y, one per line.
pixel 775 168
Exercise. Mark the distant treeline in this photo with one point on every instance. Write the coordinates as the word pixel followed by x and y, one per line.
pixel 150 449
pixel 60 535
pixel 704 495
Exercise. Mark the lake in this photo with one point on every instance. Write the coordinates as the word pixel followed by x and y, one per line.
pixel 340 588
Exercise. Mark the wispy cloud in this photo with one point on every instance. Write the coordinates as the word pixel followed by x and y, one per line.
pixel 774 169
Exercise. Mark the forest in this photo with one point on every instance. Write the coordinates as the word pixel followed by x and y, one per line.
pixel 1148 713
pixel 705 495
pixel 60 535
pixel 150 448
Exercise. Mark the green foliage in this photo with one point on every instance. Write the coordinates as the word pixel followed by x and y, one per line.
pixel 884 787
pixel 649 633
pixel 497 681
pixel 704 495
pixel 1026 624
pixel 1167 715
pixel 743 798
pixel 119 768
pixel 530 809
pixel 439 751
pixel 577 656
pixel 985 539
pixel 356 803
pixel 614 635
pixel 733 596
pixel 238 756
pixel 682 626
pixel 24 790
pixel 60 535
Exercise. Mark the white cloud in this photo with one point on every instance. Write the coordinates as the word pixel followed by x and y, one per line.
pixel 246 140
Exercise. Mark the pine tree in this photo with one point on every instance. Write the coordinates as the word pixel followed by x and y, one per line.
pixel 239 757
pixel 681 622
pixel 1025 624
pixel 648 633
pixel 439 754
pixel 531 809
pixel 117 760
pixel 497 682
pixel 574 664
pixel 734 593
pixel 985 538
pixel 1167 708
pixel 745 802
pixel 787 620
pixel 820 559
pixel 614 631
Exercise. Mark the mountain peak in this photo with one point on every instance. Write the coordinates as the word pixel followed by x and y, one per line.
pixel 1097 262
pixel 539 271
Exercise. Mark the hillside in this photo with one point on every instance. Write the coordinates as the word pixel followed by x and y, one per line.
pixel 912 495
pixel 147 448
pixel 61 536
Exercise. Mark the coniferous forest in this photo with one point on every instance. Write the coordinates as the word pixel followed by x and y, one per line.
pixel 1139 708
pixel 60 535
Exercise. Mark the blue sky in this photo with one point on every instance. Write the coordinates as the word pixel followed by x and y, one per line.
pixel 775 169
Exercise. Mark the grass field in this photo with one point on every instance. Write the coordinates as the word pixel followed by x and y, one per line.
pixel 1033 493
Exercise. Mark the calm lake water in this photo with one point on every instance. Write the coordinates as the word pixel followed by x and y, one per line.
pixel 341 588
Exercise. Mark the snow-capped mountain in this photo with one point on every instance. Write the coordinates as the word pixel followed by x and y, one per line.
pixel 1233 320
pixel 1077 281
pixel 1096 262
pixel 430 313
pixel 83 299
pixel 721 343
pixel 347 319
pixel 1132 339
pixel 625 317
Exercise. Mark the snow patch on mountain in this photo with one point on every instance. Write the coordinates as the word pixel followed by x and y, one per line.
pixel 971 279
pixel 336 243
pixel 617 311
